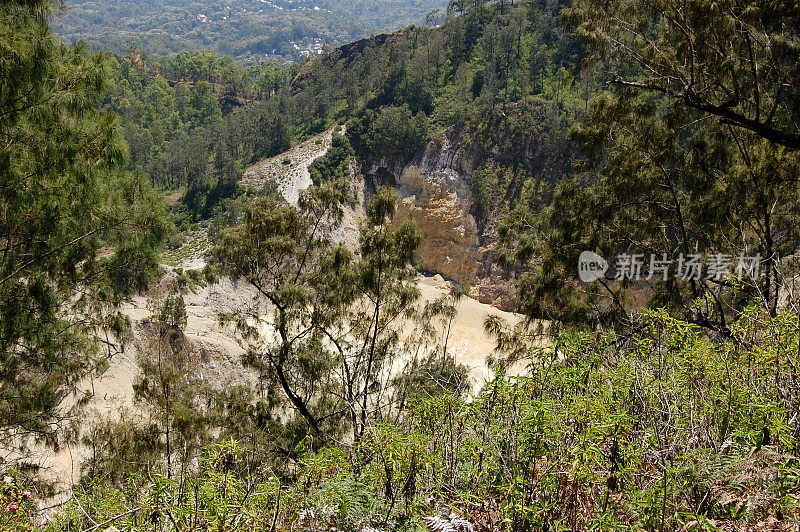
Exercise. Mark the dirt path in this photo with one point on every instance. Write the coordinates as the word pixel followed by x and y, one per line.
pixel 290 169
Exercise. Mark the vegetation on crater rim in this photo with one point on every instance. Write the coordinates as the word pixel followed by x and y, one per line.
pixel 665 127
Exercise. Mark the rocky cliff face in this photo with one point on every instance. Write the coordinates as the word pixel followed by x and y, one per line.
pixel 434 190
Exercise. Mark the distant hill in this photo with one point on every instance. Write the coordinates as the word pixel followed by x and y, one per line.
pixel 248 30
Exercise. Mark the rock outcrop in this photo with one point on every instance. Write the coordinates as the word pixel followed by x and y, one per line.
pixel 434 191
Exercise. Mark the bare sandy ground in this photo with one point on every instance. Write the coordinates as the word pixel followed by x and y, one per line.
pixel 468 340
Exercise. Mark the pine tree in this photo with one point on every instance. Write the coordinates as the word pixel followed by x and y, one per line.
pixel 324 329
pixel 691 150
pixel 77 234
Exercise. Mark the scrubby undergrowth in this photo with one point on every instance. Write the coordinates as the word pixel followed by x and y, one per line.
pixel 665 429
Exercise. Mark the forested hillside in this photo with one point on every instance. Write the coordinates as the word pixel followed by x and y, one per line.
pixel 658 393
pixel 249 30
pixel 507 84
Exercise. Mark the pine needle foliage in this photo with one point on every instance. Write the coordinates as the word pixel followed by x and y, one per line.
pixel 77 233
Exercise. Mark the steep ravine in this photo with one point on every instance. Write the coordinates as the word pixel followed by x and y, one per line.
pixel 433 190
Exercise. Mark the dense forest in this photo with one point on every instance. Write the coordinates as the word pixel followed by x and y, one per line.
pixel 661 401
